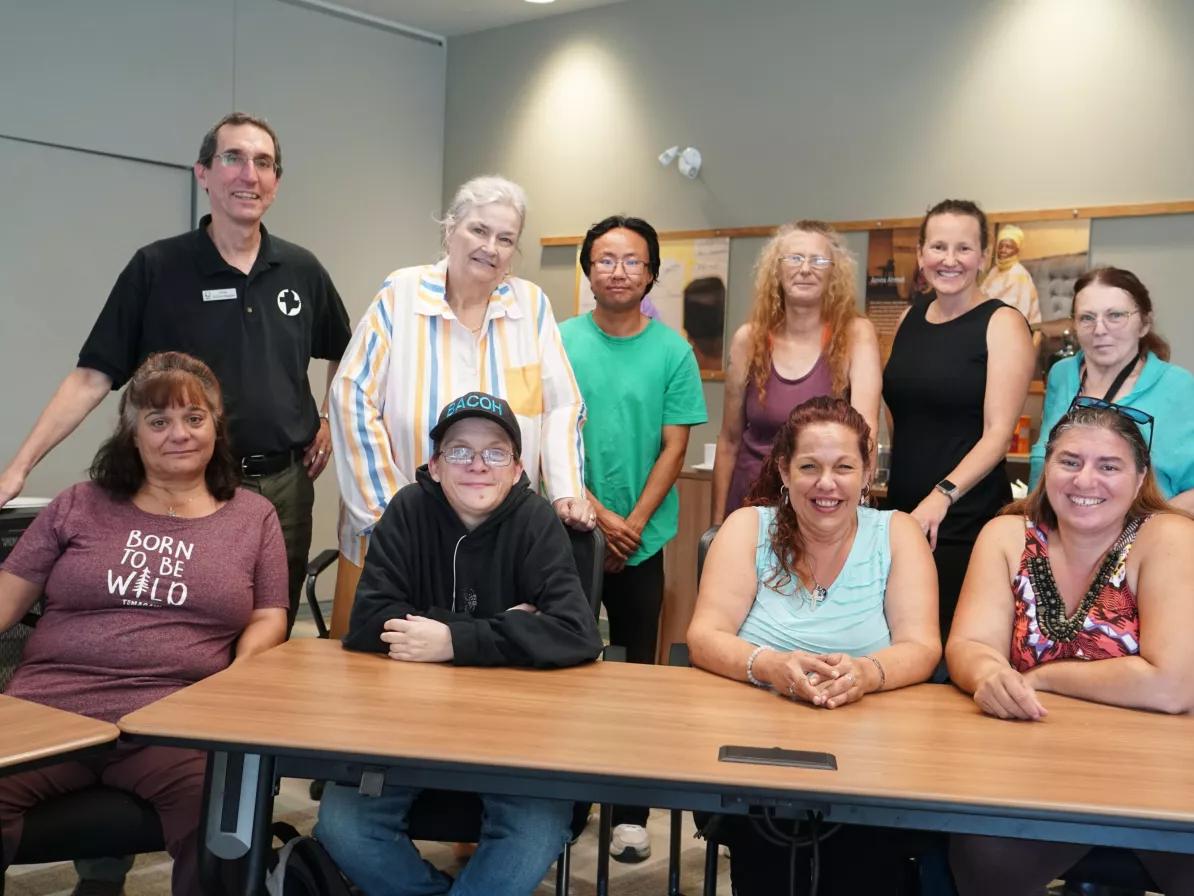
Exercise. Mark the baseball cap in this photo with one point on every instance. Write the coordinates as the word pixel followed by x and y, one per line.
pixel 485 406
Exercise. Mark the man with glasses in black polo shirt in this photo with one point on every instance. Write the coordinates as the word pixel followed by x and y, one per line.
pixel 255 308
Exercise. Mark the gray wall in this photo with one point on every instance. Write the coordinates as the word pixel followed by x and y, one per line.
pixel 844 110
pixel 359 112
pixel 1160 251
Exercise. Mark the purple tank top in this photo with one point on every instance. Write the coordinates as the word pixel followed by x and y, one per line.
pixel 763 420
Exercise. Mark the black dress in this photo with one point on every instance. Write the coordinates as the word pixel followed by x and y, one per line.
pixel 935 384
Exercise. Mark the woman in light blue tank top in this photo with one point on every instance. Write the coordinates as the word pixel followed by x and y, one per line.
pixel 849 619
pixel 823 601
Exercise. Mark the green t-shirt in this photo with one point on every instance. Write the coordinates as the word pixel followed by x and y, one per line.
pixel 632 388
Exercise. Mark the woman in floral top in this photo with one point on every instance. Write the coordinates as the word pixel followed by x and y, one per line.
pixel 1099 568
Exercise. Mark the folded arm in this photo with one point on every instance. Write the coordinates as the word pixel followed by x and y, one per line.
pixel 563 631
pixel 1161 677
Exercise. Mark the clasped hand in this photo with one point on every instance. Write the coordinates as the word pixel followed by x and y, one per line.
pixel 829 679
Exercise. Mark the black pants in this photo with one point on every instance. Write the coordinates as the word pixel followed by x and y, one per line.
pixel 951 560
pixel 633 599
pixel 853 859
pixel 292 492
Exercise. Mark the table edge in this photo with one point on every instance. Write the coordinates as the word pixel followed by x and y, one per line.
pixel 1154 820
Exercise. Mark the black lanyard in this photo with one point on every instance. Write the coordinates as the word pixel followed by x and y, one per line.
pixel 1118 382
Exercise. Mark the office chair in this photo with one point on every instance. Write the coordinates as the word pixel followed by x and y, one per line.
pixel 678 656
pixel 92 823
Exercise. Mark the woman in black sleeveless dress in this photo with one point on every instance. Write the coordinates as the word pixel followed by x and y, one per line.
pixel 956 382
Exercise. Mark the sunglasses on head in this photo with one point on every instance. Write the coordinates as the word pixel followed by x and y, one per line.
pixel 1137 416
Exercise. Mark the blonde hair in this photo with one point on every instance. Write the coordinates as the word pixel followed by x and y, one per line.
pixel 838 306
pixel 484 190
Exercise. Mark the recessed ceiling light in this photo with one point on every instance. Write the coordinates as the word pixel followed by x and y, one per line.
pixel 541 1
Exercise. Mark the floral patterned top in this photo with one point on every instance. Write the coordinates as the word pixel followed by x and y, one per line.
pixel 1110 629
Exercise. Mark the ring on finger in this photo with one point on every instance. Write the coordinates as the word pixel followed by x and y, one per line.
pixel 853 683
pixel 792 690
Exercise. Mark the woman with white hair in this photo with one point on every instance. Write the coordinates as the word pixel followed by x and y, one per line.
pixel 436 331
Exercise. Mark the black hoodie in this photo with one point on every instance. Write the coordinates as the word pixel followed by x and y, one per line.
pixel 423 561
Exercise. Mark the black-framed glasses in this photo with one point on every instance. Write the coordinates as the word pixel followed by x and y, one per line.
pixel 1137 416
pixel 462 455
pixel 820 262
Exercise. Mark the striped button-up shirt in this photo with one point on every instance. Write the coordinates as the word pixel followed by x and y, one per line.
pixel 410 356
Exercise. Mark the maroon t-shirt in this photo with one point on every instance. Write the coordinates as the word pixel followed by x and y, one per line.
pixel 139 604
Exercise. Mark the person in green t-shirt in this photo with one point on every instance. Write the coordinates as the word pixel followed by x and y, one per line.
pixel 642 390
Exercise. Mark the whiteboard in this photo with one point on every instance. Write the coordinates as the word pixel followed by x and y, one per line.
pixel 71 221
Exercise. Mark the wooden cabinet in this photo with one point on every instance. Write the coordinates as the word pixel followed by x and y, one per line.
pixel 695 488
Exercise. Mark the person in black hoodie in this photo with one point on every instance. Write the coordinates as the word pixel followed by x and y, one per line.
pixel 468 566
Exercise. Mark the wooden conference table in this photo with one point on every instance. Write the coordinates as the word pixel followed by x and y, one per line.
pixel 923 757
pixel 33 735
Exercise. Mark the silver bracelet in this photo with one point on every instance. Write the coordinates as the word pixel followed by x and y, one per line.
pixel 882 674
pixel 750 666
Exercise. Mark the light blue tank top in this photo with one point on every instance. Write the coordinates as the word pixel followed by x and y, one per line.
pixel 850 620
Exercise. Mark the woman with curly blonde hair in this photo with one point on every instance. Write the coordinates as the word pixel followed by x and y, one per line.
pixel 804 338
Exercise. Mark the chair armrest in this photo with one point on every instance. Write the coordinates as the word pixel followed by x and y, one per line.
pixel 321 562
pixel 614 654
pixel 314 568
pixel 677 655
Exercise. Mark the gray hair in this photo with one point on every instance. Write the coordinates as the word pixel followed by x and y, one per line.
pixel 479 191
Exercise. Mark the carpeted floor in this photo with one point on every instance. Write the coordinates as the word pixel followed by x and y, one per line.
pixel 151 873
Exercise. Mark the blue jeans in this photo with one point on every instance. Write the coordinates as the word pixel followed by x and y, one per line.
pixel 366 837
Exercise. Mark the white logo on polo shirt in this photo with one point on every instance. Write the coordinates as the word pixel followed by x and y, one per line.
pixel 289 302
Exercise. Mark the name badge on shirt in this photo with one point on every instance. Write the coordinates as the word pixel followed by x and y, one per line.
pixel 218 295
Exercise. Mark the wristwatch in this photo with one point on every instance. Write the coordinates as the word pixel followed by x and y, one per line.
pixel 326 416
pixel 948 489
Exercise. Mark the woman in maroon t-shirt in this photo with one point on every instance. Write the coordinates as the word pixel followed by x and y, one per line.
pixel 1084 588
pixel 155 573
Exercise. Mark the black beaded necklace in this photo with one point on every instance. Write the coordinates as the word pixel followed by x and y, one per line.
pixel 1050 607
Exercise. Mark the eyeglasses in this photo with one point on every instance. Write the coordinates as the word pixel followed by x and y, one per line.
pixel 631 266
pixel 1112 320
pixel 1137 416
pixel 462 456
pixel 263 164
pixel 820 262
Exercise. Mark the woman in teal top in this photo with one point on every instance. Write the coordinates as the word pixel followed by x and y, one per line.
pixel 850 619
pixel 1124 361
pixel 823 601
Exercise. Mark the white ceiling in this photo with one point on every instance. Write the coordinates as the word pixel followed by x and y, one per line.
pixel 455 17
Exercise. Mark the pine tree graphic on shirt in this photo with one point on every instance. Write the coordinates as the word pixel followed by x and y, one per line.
pixel 150 570
pixel 142 586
